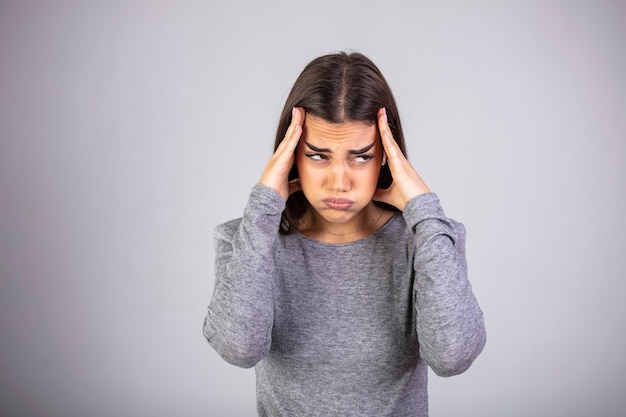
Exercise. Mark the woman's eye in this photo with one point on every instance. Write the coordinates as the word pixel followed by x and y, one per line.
pixel 363 158
pixel 316 157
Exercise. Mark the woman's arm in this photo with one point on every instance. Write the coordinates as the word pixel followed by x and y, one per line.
pixel 239 320
pixel 449 323
pixel 450 326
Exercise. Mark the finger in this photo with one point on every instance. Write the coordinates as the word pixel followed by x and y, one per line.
pixel 384 130
pixel 277 168
pixel 297 120
pixel 295 127
pixel 383 195
pixel 407 183
pixel 298 115
pixel 390 146
pixel 383 125
pixel 294 185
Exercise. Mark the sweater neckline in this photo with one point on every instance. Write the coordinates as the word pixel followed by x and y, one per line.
pixel 355 242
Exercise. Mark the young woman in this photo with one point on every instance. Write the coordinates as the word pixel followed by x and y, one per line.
pixel 343 281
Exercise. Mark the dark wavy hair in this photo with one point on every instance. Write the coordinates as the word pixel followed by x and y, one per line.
pixel 339 87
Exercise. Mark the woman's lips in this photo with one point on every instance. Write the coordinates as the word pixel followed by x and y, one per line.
pixel 337 203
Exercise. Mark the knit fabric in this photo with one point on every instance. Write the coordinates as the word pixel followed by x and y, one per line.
pixel 344 329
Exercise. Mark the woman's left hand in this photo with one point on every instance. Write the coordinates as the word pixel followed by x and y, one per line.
pixel 407 183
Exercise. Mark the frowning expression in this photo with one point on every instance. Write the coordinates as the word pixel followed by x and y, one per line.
pixel 338 165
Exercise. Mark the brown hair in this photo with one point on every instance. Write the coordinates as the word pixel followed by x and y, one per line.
pixel 339 87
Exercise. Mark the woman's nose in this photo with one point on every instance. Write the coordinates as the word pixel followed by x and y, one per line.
pixel 338 177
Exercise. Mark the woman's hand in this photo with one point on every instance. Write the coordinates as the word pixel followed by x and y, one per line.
pixel 276 173
pixel 407 183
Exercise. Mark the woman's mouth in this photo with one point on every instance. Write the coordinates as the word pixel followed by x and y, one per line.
pixel 337 203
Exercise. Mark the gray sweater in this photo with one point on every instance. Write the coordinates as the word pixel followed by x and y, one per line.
pixel 344 329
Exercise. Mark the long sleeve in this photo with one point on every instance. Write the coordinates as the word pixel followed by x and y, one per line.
pixel 449 321
pixel 240 315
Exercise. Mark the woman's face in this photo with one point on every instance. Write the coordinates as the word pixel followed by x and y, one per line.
pixel 338 165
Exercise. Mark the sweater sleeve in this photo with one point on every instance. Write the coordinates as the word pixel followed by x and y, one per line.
pixel 240 315
pixel 450 326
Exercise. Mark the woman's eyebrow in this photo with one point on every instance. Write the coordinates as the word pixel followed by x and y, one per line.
pixel 362 150
pixel 316 149
pixel 351 152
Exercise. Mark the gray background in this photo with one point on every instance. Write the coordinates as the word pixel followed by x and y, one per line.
pixel 129 130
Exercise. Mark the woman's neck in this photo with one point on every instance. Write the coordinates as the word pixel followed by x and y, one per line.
pixel 365 223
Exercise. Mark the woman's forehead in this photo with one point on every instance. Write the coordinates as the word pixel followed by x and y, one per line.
pixel 337 135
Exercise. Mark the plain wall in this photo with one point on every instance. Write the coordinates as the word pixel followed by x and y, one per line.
pixel 129 130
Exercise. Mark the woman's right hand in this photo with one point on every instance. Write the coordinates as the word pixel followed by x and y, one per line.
pixel 276 173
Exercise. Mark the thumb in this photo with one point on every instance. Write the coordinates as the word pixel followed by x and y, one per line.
pixel 382 195
pixel 294 185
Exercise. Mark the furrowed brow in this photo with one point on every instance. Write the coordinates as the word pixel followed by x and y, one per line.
pixel 316 149
pixel 362 150
pixel 351 152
